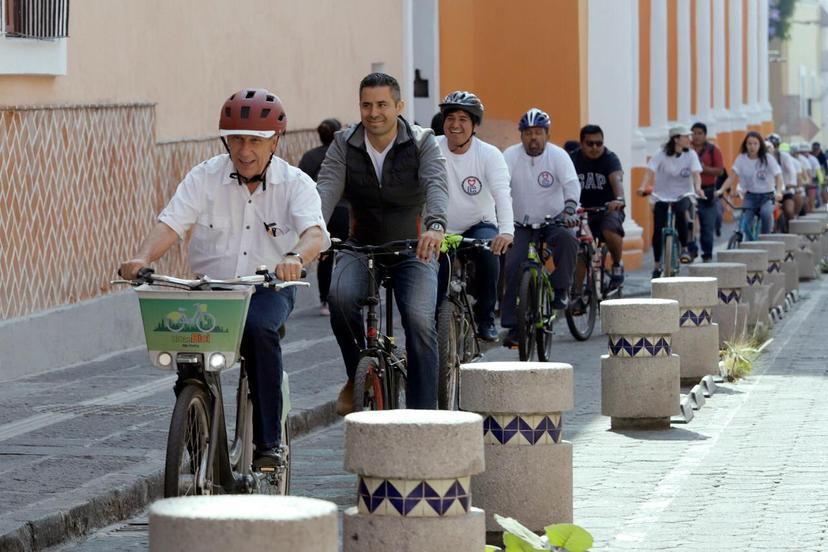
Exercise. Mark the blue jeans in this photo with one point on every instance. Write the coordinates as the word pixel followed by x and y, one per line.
pixel 753 204
pixel 564 247
pixel 415 288
pixel 262 355
pixel 707 226
pixel 487 270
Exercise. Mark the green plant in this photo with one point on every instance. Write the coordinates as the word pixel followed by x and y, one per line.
pixel 559 537
pixel 779 18
pixel 737 358
pixel 823 266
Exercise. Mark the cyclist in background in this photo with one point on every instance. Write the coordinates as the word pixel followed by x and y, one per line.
pixel 480 204
pixel 247 208
pixel 710 157
pixel 602 185
pixel 789 175
pixel 544 183
pixel 760 176
pixel 676 175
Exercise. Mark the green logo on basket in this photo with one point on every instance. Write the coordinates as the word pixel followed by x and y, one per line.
pixel 180 320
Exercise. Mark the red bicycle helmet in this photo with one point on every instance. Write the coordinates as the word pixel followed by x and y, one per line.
pixel 253 112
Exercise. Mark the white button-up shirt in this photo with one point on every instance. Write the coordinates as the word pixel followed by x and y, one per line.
pixel 234 231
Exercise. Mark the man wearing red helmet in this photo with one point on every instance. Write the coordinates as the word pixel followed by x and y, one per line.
pixel 247 208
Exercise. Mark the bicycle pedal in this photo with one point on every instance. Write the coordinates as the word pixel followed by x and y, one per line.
pixel 266 469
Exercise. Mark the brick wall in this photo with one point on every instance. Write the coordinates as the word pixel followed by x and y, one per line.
pixel 79 188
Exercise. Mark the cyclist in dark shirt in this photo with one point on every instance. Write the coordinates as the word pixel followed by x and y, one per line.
pixel 602 177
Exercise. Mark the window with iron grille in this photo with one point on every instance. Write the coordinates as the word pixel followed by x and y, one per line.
pixel 39 19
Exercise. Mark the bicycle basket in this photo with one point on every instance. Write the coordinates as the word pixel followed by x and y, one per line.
pixel 193 321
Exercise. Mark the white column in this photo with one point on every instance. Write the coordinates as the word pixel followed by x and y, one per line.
pixel 704 102
pixel 762 39
pixel 408 60
pixel 737 106
pixel 753 109
pixel 720 110
pixel 684 81
pixel 656 134
pixel 639 143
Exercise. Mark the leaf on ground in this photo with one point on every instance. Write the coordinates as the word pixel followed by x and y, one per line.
pixel 570 537
pixel 516 544
pixel 490 548
pixel 519 530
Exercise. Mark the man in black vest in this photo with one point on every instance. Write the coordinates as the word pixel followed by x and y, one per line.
pixel 394 177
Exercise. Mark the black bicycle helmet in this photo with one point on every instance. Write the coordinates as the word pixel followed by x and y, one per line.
pixel 466 101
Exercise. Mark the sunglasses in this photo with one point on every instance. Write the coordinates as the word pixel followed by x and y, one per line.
pixel 594 143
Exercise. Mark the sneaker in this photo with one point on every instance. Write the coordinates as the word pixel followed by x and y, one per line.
pixel 487 331
pixel 511 340
pixel 324 310
pixel 345 400
pixel 560 301
pixel 686 257
pixel 268 459
pixel 616 277
pixel 577 306
pixel 657 272
pixel 707 258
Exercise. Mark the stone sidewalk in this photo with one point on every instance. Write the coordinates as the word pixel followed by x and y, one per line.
pixel 746 474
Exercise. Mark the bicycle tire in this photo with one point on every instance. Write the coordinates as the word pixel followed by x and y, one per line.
pixel 206 323
pixel 734 241
pixel 369 391
pixel 667 255
pixel 587 318
pixel 191 416
pixel 448 346
pixel 526 310
pixel 543 331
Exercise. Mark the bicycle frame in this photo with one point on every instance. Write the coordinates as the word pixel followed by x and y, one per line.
pixel 458 294
pixel 669 230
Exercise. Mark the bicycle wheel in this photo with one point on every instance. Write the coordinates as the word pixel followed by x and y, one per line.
pixel 581 318
pixel 369 391
pixel 527 301
pixel 670 259
pixel 543 331
pixel 734 241
pixel 185 469
pixel 206 323
pixel 448 346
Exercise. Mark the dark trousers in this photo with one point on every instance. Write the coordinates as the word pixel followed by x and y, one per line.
pixel 680 211
pixel 262 353
pixel 487 270
pixel 708 212
pixel 564 247
pixel 338 228
pixel 415 289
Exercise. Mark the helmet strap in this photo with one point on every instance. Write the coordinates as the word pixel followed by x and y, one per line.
pixel 463 145
pixel 262 177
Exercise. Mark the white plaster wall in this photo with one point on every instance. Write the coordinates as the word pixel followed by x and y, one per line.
pixel 426 36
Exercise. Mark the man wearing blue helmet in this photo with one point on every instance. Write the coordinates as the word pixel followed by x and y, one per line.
pixel 544 183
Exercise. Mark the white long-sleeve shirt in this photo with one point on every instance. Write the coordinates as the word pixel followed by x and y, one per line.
pixel 478 186
pixel 541 185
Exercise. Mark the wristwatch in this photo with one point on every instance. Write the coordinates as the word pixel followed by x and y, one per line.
pixel 295 254
pixel 437 227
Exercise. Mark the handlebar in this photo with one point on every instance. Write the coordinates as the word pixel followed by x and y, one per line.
pixel 538 225
pixel 262 277
pixel 456 242
pixel 389 248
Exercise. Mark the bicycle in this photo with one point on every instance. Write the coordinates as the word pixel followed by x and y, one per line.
pixel 670 244
pixel 535 314
pixel 592 252
pixel 456 329
pixel 382 373
pixel 745 231
pixel 201 321
pixel 198 458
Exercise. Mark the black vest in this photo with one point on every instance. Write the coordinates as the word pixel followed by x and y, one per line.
pixel 391 211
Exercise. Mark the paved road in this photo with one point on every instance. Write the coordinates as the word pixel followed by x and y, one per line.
pixel 748 473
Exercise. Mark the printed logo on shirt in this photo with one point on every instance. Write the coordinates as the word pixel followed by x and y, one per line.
pixel 761 174
pixel 685 172
pixel 545 179
pixel 472 185
pixel 275 230
pixel 592 181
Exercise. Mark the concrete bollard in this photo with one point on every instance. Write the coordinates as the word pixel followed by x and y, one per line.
pixel 821 216
pixel 528 466
pixel 790 267
pixel 640 376
pixel 730 313
pixel 697 341
pixel 775 277
pixel 243 523
pixel 756 293
pixel 810 246
pixel 414 471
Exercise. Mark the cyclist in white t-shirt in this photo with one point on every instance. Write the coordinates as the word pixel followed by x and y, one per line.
pixel 676 174
pixel 544 183
pixel 760 176
pixel 789 175
pixel 244 209
pixel 480 204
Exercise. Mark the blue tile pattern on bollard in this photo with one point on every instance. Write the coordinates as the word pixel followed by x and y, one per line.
pixel 755 278
pixel 727 296
pixel 695 318
pixel 774 266
pixel 640 346
pixel 423 498
pixel 524 429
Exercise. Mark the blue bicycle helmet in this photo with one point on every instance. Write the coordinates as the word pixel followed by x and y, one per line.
pixel 534 118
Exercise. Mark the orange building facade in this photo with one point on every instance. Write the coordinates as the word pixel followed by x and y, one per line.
pixel 634 67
